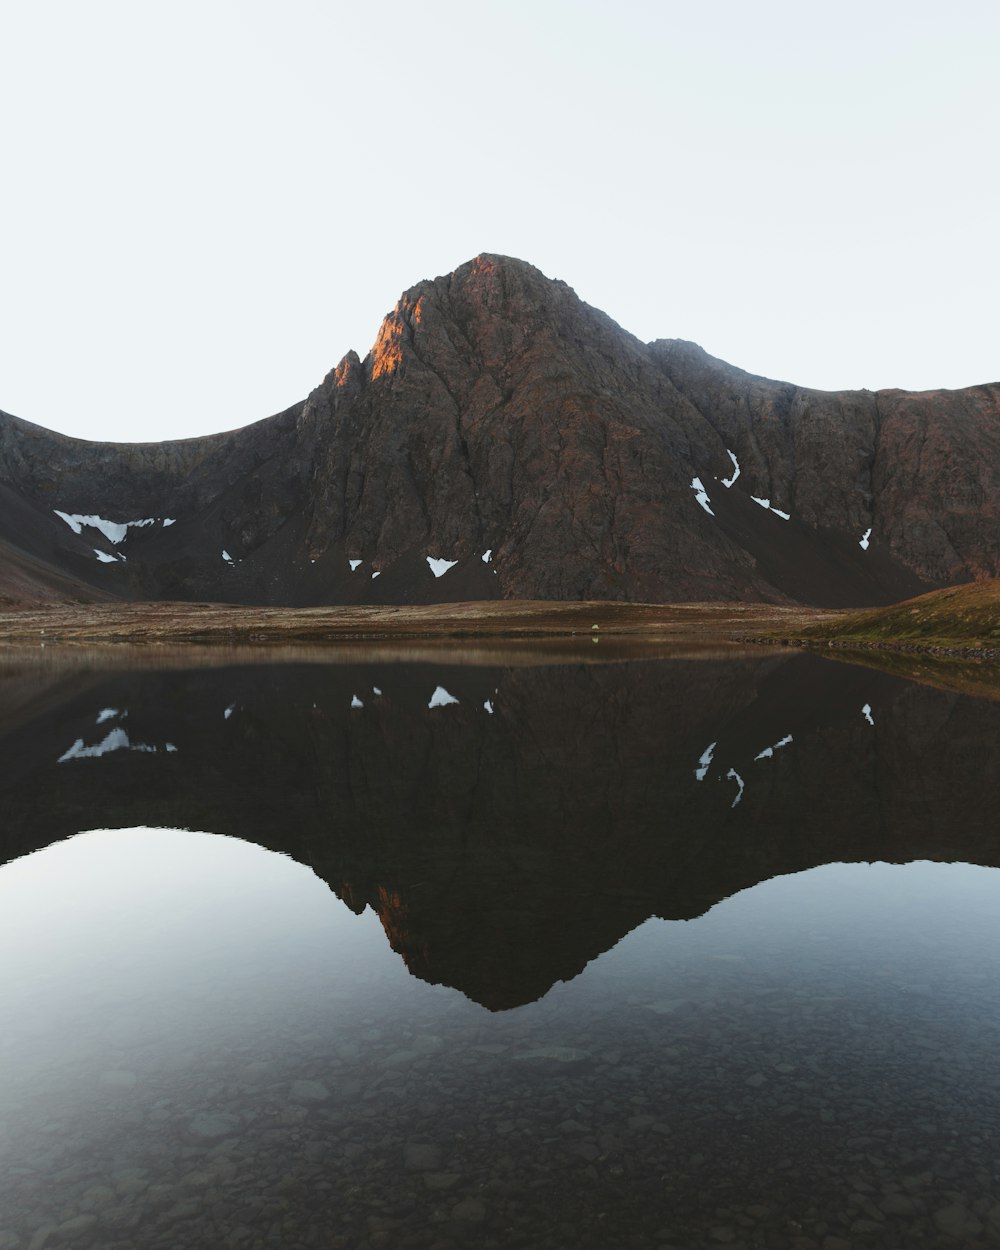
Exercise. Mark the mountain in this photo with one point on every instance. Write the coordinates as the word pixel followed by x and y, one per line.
pixel 503 439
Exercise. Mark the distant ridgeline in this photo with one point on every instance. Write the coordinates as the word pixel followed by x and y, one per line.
pixel 504 439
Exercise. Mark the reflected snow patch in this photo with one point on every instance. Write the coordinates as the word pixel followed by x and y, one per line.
pixel 441 698
pixel 768 752
pixel 701 772
pixel 116 740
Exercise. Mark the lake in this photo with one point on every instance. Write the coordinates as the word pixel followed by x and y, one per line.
pixel 508 950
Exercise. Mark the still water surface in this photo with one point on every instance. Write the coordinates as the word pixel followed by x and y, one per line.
pixel 571 957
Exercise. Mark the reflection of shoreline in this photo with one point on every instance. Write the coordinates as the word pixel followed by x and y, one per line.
pixel 977 678
pixel 16 659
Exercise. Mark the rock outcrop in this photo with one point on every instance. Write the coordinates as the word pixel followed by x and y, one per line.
pixel 504 439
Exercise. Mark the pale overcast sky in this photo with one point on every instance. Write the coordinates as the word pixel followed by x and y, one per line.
pixel 206 203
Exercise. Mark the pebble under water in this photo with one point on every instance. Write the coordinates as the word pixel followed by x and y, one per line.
pixel 512 978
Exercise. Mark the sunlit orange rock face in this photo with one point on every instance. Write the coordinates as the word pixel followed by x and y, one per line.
pixel 394 915
pixel 344 372
pixel 387 354
pixel 498 413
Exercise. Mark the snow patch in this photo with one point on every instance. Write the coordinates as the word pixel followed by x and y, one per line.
pixel 701 772
pixel 108 559
pixel 865 538
pixel 113 531
pixel 108 713
pixel 377 573
pixel 487 556
pixel 739 781
pixel 76 521
pixel 355 701
pixel 731 481
pixel 701 495
pixel 768 752
pixel 441 698
pixel 228 558
pixel 169 520
pixel 439 567
pixel 376 691
pixel 866 712
pixel 355 564
pixel 488 706
pixel 766 503
pixel 229 711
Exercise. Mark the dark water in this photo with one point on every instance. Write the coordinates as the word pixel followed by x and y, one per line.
pixel 668 954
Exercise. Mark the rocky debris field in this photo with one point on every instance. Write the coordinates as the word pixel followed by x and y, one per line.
pixel 734 1110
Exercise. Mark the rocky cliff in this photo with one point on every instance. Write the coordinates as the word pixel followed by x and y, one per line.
pixel 504 439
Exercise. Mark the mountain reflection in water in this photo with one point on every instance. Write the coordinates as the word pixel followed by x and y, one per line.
pixel 510 825
pixel 808 1065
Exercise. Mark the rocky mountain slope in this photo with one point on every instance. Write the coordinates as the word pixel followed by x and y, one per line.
pixel 503 439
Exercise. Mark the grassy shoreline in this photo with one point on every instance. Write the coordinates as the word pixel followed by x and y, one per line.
pixel 152 624
pixel 959 621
